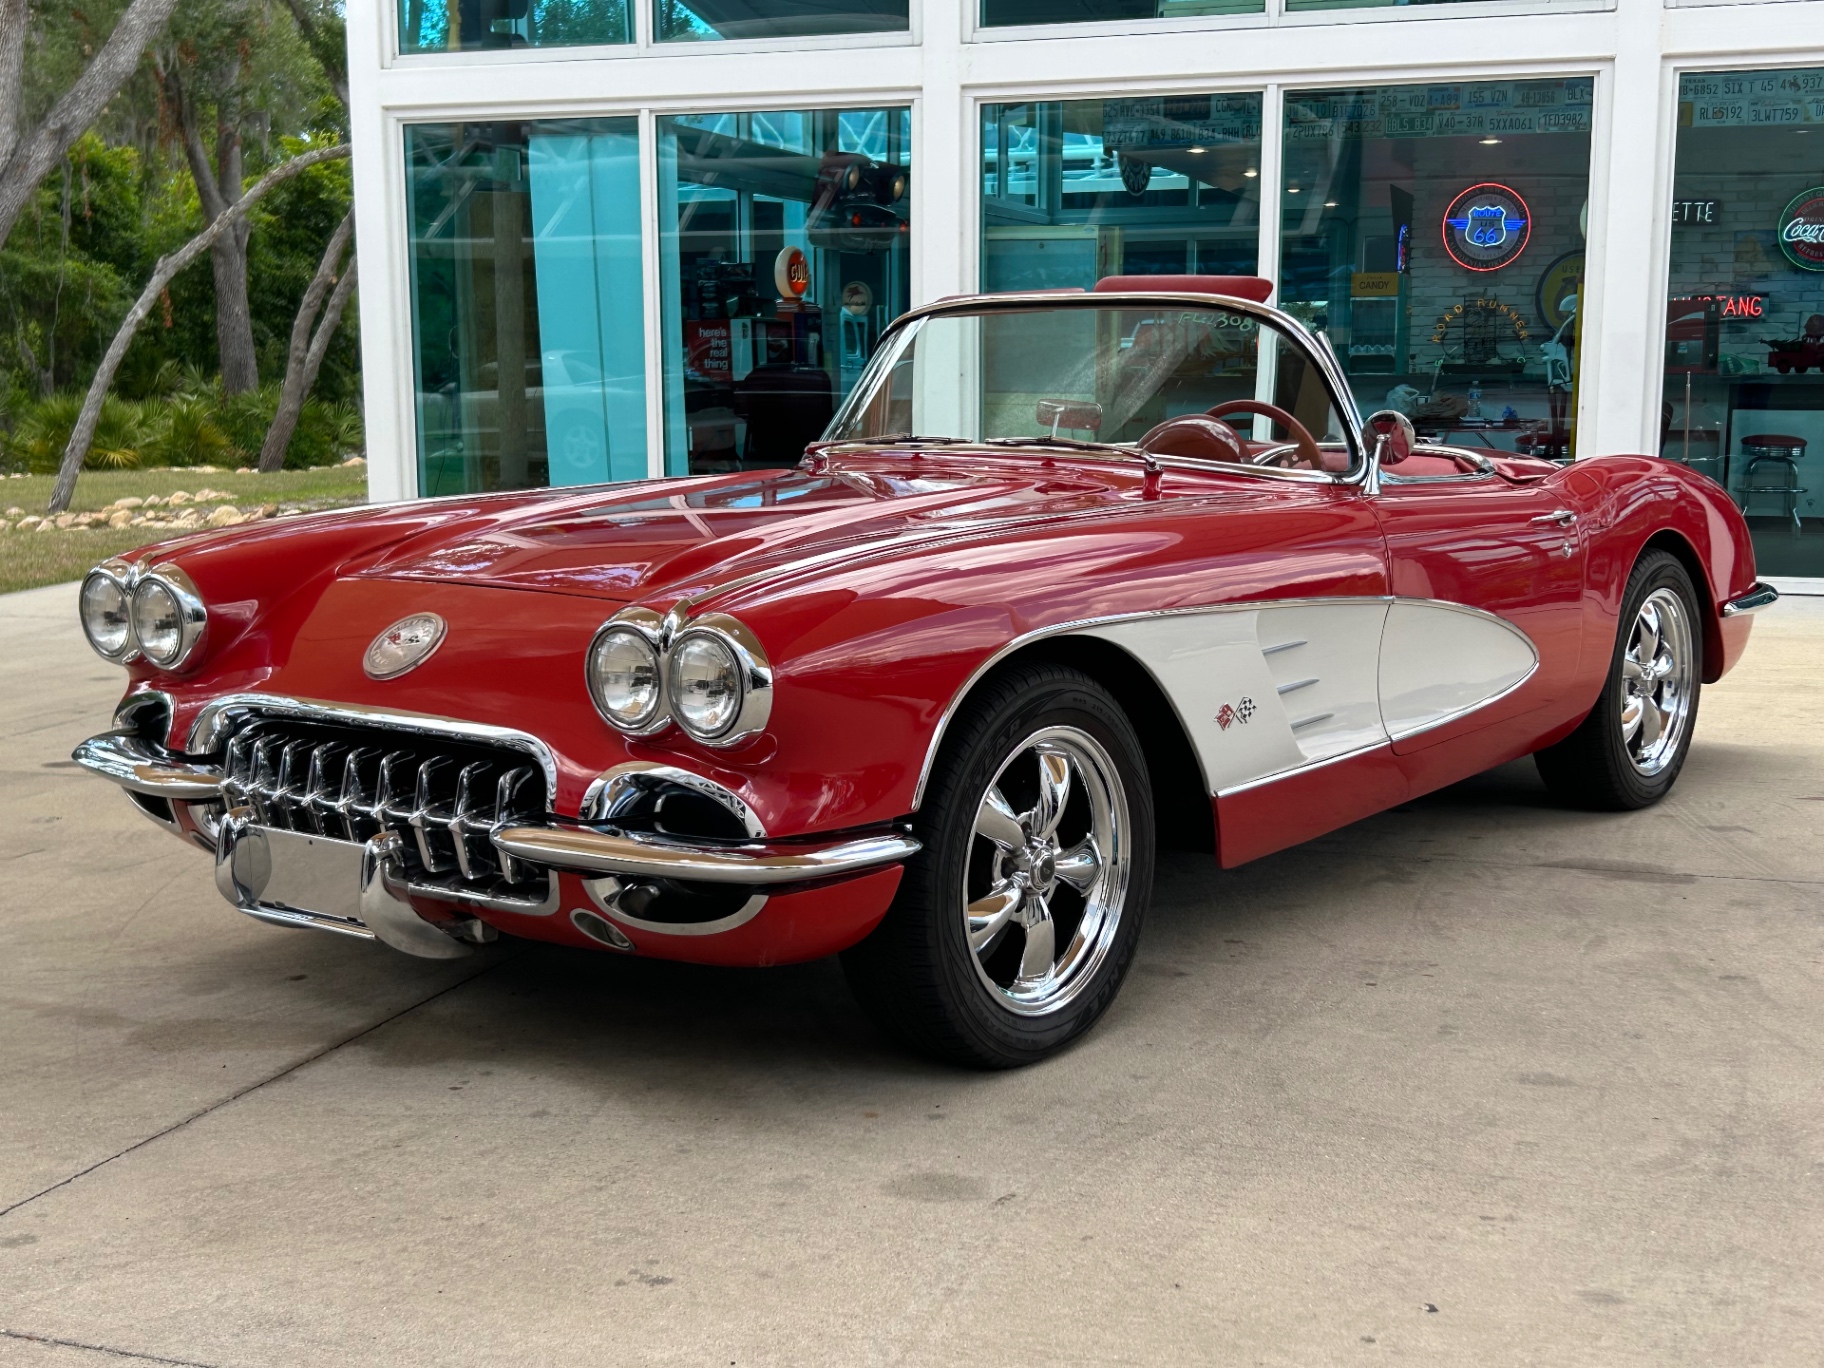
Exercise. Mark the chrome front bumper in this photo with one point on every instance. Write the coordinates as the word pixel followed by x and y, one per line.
pixel 293 879
pixel 1757 598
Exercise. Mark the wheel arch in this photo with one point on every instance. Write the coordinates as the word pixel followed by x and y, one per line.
pixel 1680 548
pixel 1184 815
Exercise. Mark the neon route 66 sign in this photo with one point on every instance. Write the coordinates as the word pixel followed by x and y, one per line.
pixel 1486 227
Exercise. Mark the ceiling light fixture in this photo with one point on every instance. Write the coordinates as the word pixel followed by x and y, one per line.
pixel 1197 151
pixel 1490 142
pixel 1250 173
pixel 1291 189
pixel 1329 204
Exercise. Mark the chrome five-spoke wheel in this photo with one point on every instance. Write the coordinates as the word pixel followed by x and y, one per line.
pixel 1015 923
pixel 1628 750
pixel 1656 671
pixel 1047 870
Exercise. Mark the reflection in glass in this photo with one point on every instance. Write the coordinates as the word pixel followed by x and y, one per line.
pixel 1157 185
pixel 712 20
pixel 1437 233
pixel 783 255
pixel 1744 396
pixel 458 25
pixel 526 303
pixel 1106 374
pixel 998 13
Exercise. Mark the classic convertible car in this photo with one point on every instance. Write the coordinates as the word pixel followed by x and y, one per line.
pixel 1068 578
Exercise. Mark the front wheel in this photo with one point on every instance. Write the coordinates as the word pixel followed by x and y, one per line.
pixel 1015 924
pixel 1629 750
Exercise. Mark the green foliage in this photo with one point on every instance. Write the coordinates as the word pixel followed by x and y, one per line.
pixel 43 431
pixel 188 425
pixel 183 431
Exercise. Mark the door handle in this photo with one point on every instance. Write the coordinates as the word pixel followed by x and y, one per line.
pixel 1562 516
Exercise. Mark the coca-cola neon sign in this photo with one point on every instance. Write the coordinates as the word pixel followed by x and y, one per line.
pixel 1802 230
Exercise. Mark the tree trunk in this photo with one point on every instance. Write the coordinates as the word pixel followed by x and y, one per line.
pixel 233 316
pixel 299 374
pixel 218 188
pixel 27 158
pixel 83 435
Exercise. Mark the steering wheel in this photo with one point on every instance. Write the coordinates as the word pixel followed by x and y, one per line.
pixel 1308 453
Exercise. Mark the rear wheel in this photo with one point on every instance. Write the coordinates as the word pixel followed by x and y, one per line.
pixel 1629 750
pixel 1016 922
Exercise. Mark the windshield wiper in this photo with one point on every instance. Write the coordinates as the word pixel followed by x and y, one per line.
pixel 907 438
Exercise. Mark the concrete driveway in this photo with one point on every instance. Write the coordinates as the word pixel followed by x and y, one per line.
pixel 1477 1082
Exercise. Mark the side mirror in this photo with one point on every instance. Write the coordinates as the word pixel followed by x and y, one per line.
pixel 1394 436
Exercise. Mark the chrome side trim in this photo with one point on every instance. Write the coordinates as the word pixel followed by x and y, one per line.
pixel 590 851
pixel 220 716
pixel 1306 768
pixel 606 892
pixel 1763 595
pixel 142 766
pixel 612 788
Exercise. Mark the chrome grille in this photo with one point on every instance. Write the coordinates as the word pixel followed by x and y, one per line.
pixel 443 797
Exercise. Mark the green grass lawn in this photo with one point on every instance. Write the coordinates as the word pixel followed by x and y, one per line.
pixel 31 559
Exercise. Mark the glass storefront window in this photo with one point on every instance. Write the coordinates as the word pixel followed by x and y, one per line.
pixel 783 254
pixel 459 25
pixel 711 20
pixel 1437 233
pixel 1744 395
pixel 527 331
pixel 1000 13
pixel 1159 185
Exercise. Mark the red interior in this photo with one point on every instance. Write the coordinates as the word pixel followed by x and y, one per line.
pixel 1256 288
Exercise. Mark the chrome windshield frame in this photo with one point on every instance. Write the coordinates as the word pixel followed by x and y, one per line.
pixel 1315 348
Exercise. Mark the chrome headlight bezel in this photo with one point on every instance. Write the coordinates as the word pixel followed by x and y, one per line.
pixel 192 614
pixel 665 635
pixel 121 574
pixel 648 627
pixel 754 676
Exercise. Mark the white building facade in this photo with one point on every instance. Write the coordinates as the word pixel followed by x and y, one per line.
pixel 611 239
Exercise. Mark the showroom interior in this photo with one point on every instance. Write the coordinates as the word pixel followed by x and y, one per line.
pixel 1557 227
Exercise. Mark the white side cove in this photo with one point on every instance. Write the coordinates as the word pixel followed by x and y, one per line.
pixel 1266 691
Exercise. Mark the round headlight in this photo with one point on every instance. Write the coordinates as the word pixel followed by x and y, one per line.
pixel 624 678
pixel 168 617
pixel 158 622
pixel 106 612
pixel 706 685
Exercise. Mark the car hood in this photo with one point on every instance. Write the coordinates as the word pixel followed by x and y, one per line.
pixel 673 538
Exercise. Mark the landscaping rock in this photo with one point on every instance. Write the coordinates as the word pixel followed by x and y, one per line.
pixel 225 516
pixel 15 512
pixel 46 525
pixel 176 497
pixel 66 520
pixel 121 517
pixel 27 523
pixel 131 501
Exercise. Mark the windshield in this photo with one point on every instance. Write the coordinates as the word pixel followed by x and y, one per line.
pixel 1102 374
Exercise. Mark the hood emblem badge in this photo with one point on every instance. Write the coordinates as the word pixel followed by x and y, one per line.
pixel 405 645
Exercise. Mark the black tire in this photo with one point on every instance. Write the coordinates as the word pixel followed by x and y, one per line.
pixel 917 975
pixel 1598 765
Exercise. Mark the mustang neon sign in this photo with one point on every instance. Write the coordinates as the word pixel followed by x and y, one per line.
pixel 1486 227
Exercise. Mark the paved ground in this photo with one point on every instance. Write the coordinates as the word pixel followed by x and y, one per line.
pixel 1477 1082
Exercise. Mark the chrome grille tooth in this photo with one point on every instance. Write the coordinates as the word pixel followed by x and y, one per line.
pixel 507 806
pixel 263 783
pixel 425 818
pixel 319 804
pixel 395 790
pixel 463 822
pixel 355 803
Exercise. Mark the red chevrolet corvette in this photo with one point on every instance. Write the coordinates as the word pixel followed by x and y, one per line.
pixel 1069 577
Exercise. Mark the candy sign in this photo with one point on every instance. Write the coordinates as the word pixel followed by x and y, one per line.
pixel 1802 230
